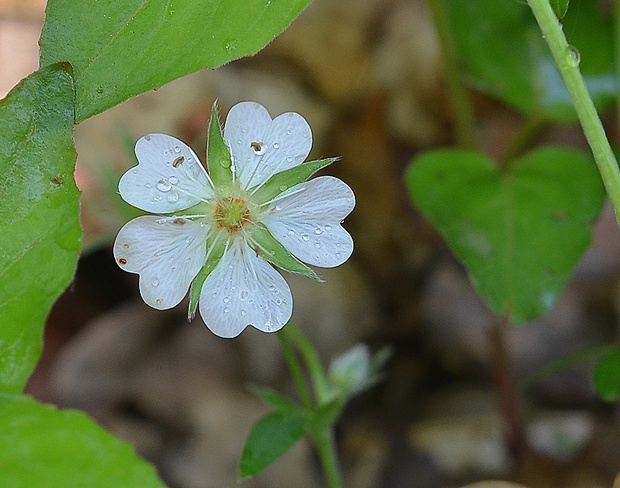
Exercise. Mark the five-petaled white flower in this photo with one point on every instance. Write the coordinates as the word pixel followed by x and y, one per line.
pixel 222 232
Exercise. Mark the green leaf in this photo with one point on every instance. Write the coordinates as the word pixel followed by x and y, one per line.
pixel 219 160
pixel 506 56
pixel 519 233
pixel 607 376
pixel 271 436
pixel 284 180
pixel 324 417
pixel 560 7
pixel 273 251
pixel 122 49
pixel 39 211
pixel 43 446
pixel 278 402
pixel 215 251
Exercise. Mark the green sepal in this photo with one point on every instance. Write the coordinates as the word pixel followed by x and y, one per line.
pixel 560 7
pixel 324 417
pixel 219 160
pixel 272 250
pixel 285 179
pixel 217 249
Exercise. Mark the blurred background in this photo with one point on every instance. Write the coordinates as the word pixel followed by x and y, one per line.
pixel 368 77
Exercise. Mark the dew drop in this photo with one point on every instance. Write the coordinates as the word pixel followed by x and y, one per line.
pixel 163 185
pixel 157 198
pixel 289 159
pixel 258 148
pixel 305 237
pixel 173 180
pixel 276 145
pixel 288 132
pixel 283 187
pixel 243 313
pixel 177 149
pixel 243 295
pixel 225 163
pixel 574 57
pixel 166 152
pixel 135 172
pixel 155 282
pixel 317 245
pixel 161 221
pixel 214 295
pixel 147 137
pixel 148 186
pixel 226 300
pixel 328 228
pixel 226 310
pixel 278 208
pixel 338 255
pixel 291 232
pixel 272 288
pixel 318 231
pixel 173 198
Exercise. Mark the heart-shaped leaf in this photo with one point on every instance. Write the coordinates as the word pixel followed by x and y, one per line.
pixel 39 211
pixel 506 56
pixel 123 48
pixel 43 446
pixel 520 232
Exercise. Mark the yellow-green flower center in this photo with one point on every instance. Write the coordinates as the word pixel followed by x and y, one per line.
pixel 231 214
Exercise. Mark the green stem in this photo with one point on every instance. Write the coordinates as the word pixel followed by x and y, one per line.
pixel 530 128
pixel 326 447
pixel 617 53
pixel 563 363
pixel 312 361
pixel 461 106
pixel 295 369
pixel 567 59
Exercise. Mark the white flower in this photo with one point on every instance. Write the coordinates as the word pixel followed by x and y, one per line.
pixel 222 232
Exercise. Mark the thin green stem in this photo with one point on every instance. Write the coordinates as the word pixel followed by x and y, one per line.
pixel 563 363
pixel 617 53
pixel 312 361
pixel 461 106
pixel 326 447
pixel 567 59
pixel 530 128
pixel 295 369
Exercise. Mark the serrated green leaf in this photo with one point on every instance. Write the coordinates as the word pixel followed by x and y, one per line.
pixel 272 250
pixel 506 56
pixel 39 209
pixel 607 376
pixel 271 436
pixel 219 160
pixel 560 7
pixel 122 49
pixel 519 233
pixel 277 401
pixel 43 446
pixel 284 180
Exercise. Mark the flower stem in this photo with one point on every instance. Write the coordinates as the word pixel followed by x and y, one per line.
pixel 567 59
pixel 461 106
pixel 295 369
pixel 326 447
pixel 506 390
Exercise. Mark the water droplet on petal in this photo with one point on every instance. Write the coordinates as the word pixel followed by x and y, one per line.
pixel 157 198
pixel 214 295
pixel 305 237
pixel 148 186
pixel 289 159
pixel 155 282
pixel 163 185
pixel 328 228
pixel 338 255
pixel 161 221
pixel 177 149
pixel 272 288
pixel 147 137
pixel 318 231
pixel 317 245
pixel 291 232
pixel 173 180
pixel 226 300
pixel 288 132
pixel 243 294
pixel 258 148
pixel 276 145
pixel 243 313
pixel 173 197
pixel 226 310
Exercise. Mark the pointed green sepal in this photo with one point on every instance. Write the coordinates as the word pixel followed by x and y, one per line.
pixel 216 251
pixel 277 401
pixel 219 160
pixel 285 179
pixel 270 249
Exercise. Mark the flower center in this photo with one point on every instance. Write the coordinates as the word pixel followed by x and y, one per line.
pixel 231 214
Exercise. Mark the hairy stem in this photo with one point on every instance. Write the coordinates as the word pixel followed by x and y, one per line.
pixel 567 59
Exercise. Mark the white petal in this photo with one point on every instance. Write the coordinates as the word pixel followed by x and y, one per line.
pixel 167 252
pixel 168 178
pixel 306 220
pixel 243 290
pixel 262 147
